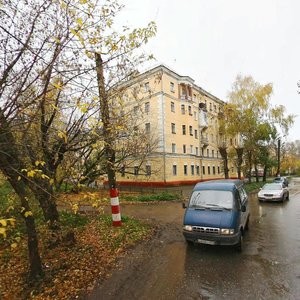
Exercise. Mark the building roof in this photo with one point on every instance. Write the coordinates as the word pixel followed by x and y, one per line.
pixel 183 78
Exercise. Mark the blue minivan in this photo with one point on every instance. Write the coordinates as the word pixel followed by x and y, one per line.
pixel 217 213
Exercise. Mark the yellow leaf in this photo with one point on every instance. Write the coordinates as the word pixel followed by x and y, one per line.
pixel 57 85
pixel 28 213
pixel 62 135
pixel 31 173
pixel 79 21
pixel 12 221
pixel 9 209
pixel 3 232
pixel 75 208
pixel 3 222
pixel 14 245
pixel 19 178
pixel 83 1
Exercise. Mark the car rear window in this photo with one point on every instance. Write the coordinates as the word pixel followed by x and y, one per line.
pixel 211 199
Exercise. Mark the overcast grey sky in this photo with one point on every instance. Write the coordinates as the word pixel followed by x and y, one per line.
pixel 214 40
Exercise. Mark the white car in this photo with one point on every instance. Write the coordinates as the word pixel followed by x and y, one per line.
pixel 273 192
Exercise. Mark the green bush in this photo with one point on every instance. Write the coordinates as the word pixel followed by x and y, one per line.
pixel 70 219
pixel 150 198
pixel 253 186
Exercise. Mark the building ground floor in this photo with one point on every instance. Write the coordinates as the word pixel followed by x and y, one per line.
pixel 172 170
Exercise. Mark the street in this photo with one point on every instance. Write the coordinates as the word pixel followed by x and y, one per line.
pixel 268 267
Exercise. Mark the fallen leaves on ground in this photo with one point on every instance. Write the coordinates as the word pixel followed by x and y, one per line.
pixel 70 270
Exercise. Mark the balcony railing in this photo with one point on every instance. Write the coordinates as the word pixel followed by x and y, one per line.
pixel 204 141
pixel 186 98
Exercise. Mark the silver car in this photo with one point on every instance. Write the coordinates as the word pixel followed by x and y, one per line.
pixel 273 192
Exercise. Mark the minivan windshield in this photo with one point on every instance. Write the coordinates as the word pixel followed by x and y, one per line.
pixel 211 199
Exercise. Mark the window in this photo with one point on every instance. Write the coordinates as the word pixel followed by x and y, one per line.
pixel 172 106
pixel 172 87
pixel 207 152
pixel 192 170
pixel 213 153
pixel 214 170
pixel 208 170
pixel 136 170
pixel 196 133
pixel 185 169
pixel 190 110
pixel 217 154
pixel 136 110
pixel 184 148
pixel 182 109
pixel 146 87
pixel 218 169
pixel 173 128
pixel 215 108
pixel 173 148
pixel 147 128
pixel 147 107
pixel 183 129
pixel 174 170
pixel 148 170
pixel 191 130
pixel 203 170
pixel 197 151
pixel 191 148
pixel 195 116
pixel 210 106
pixel 198 170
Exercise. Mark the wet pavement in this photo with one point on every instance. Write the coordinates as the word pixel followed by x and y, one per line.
pixel 268 267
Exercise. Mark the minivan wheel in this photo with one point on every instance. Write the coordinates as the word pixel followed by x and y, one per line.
pixel 239 245
pixel 288 196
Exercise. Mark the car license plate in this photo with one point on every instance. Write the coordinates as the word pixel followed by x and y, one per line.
pixel 206 242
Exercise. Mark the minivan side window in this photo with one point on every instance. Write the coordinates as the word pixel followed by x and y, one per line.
pixel 238 197
pixel 243 195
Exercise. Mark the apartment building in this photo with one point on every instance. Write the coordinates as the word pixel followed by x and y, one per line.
pixel 183 118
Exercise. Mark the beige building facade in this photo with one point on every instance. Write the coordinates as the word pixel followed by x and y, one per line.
pixel 183 119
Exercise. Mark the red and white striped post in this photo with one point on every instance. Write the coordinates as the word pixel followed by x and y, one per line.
pixel 115 207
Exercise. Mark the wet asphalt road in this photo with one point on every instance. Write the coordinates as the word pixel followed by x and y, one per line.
pixel 268 267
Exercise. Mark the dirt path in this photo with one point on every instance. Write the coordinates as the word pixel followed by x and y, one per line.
pixel 136 275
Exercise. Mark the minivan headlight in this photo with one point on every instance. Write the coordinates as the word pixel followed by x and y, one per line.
pixel 187 228
pixel 227 231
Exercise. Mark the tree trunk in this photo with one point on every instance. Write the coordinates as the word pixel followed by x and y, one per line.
pixel 256 173
pixel 223 152
pixel 265 173
pixel 107 136
pixel 239 153
pixel 10 165
pixel 249 154
pixel 43 192
pixel 35 263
